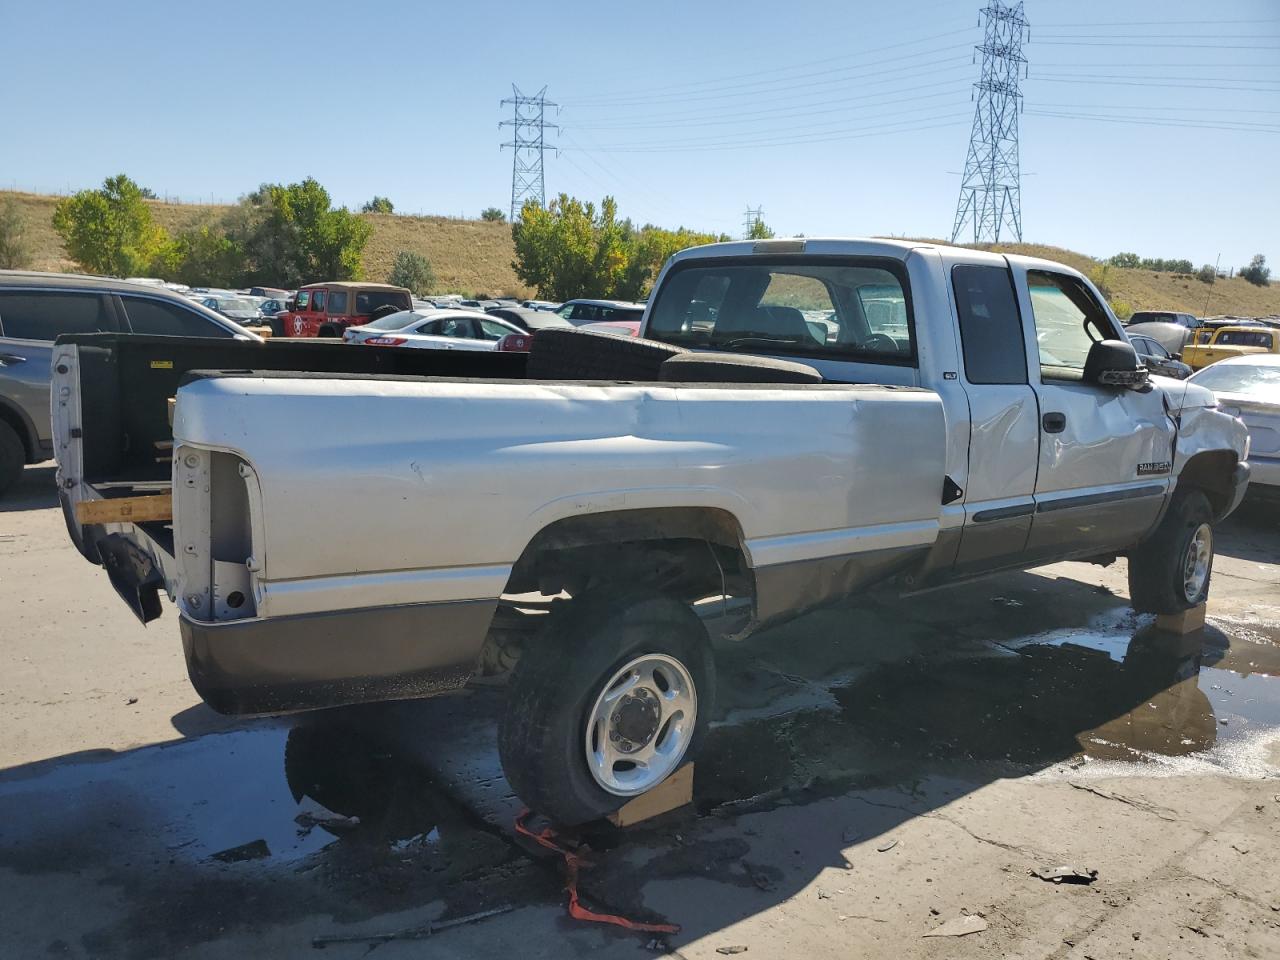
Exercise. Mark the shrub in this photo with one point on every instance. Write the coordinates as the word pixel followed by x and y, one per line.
pixel 15 248
pixel 1123 309
pixel 1127 261
pixel 493 215
pixel 1100 277
pixel 1257 272
pixel 412 270
pixel 378 205
pixel 1207 274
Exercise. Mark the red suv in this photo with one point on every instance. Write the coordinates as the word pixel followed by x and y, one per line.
pixel 327 309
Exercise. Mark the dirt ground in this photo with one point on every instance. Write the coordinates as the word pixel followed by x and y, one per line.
pixel 873 774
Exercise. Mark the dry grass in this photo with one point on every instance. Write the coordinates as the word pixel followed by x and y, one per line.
pixel 468 256
pixel 474 256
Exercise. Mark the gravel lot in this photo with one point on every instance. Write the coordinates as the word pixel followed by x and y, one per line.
pixel 875 772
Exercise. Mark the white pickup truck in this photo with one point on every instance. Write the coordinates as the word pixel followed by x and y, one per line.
pixel 799 421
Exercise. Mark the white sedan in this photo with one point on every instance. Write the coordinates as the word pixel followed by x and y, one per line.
pixel 1249 388
pixel 440 330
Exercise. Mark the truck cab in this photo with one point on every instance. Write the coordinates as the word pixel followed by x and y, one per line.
pixel 327 309
pixel 1231 341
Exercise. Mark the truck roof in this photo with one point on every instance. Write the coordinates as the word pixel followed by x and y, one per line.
pixel 348 284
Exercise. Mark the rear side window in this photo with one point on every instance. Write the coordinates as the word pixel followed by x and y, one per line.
pixel 338 301
pixel 368 301
pixel 990 325
pixel 166 319
pixel 39 315
pixel 1244 338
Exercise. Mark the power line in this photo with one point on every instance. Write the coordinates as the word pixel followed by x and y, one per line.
pixel 1238 126
pixel 1166 46
pixel 991 188
pixel 528 144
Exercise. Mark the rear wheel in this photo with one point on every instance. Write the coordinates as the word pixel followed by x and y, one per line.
pixel 1171 571
pixel 12 457
pixel 608 701
pixel 328 330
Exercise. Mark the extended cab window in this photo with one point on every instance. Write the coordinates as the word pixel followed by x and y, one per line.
pixel 990 325
pixel 169 319
pixel 1068 322
pixel 828 308
pixel 38 315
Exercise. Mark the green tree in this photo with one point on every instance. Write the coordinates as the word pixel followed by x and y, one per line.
pixel 493 215
pixel 291 235
pixel 413 271
pixel 759 230
pixel 378 205
pixel 1257 272
pixel 1207 273
pixel 569 249
pixel 110 230
pixel 1128 261
pixel 15 247
pixel 208 257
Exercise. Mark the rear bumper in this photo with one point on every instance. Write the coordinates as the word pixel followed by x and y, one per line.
pixel 285 664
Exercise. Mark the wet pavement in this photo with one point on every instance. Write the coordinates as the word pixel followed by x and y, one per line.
pixel 370 815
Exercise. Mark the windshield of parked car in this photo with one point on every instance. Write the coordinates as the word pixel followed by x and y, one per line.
pixel 396 321
pixel 233 305
pixel 1250 379
pixel 832 308
pixel 368 301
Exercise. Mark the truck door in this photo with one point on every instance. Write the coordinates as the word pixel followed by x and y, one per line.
pixel 1004 431
pixel 1105 452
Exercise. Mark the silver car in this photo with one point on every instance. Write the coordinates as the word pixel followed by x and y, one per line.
pixel 35 308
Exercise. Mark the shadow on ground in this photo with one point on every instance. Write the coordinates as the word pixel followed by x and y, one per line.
pixel 36 489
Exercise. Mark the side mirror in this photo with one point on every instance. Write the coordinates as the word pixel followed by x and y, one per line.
pixel 1114 363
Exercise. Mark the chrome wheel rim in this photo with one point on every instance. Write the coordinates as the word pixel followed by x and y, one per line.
pixel 1195 568
pixel 640 725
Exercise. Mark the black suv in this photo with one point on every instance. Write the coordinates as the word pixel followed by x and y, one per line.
pixel 36 307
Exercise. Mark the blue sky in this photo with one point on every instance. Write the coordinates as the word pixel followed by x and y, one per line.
pixel 1149 126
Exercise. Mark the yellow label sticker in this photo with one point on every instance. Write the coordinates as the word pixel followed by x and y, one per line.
pixel 161 364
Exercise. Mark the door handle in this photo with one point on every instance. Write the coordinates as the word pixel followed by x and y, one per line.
pixel 10 359
pixel 1054 422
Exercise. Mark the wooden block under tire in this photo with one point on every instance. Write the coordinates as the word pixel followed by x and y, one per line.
pixel 1188 621
pixel 125 509
pixel 671 794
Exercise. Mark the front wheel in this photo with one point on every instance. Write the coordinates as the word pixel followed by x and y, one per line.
pixel 606 703
pixel 1171 571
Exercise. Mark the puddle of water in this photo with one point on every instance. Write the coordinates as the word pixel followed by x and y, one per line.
pixel 1105 693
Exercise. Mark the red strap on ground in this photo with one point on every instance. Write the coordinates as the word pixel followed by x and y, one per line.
pixel 546 837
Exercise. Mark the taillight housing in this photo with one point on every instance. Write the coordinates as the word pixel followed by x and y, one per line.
pixel 515 343
pixel 384 341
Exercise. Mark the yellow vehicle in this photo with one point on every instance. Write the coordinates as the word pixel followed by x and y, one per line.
pixel 1229 342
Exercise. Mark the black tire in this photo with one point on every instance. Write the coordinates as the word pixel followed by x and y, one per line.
pixel 386 310
pixel 278 327
pixel 541 738
pixel 567 353
pixel 13 457
pixel 1157 566
pixel 328 330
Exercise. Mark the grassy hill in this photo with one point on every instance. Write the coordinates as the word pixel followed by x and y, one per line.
pixel 469 256
pixel 474 256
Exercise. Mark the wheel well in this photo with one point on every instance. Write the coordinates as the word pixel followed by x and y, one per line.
pixel 688 552
pixel 15 419
pixel 1210 472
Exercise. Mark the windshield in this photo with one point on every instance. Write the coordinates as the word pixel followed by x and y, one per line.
pixel 238 306
pixel 850 309
pixel 1250 379
pixel 395 321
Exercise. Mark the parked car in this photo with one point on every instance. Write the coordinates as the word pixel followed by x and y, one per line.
pixel 1231 341
pixel 270 307
pixel 539 305
pixel 712 476
pixel 622 328
pixel 531 321
pixel 1249 388
pixel 35 308
pixel 1157 358
pixel 327 309
pixel 579 312
pixel 1172 336
pixel 270 293
pixel 240 309
pixel 443 328
pixel 1184 320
